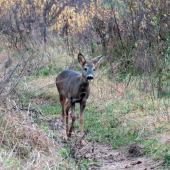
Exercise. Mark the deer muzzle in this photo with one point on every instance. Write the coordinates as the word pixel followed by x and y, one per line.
pixel 90 78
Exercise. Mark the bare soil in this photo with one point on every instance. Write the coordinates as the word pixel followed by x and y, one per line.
pixel 103 157
pixel 110 159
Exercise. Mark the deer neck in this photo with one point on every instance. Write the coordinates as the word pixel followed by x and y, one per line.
pixel 83 80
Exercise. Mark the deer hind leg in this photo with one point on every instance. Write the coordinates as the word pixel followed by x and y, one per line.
pixel 73 118
pixel 63 104
pixel 67 115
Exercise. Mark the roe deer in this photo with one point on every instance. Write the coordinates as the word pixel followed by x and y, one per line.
pixel 73 87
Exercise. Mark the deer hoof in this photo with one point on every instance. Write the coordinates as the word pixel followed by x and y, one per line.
pixel 69 136
pixel 64 138
pixel 83 142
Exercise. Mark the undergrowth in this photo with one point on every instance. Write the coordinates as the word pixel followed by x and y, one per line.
pixel 120 115
pixel 121 110
pixel 26 144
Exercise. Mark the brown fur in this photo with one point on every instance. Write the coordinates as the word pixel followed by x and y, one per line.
pixel 73 87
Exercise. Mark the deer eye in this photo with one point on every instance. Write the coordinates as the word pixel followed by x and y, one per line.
pixel 85 69
pixel 94 69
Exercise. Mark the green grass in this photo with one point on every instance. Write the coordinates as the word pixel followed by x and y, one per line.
pixel 166 156
pixel 118 125
pixel 51 110
pixel 116 120
pixel 107 128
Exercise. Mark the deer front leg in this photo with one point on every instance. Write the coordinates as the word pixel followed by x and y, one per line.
pixel 82 108
pixel 73 115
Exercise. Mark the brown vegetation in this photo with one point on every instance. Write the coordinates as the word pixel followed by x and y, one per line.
pixel 39 39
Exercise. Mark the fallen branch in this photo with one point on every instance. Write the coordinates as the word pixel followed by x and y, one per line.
pixel 143 130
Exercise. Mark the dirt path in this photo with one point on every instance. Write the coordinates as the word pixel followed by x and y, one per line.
pixel 110 159
pixel 103 157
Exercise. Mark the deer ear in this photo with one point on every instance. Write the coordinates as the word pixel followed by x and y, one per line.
pixel 81 59
pixel 96 59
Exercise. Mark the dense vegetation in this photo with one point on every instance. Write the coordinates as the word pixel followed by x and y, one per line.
pixel 129 100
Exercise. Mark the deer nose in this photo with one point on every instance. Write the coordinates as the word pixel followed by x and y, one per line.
pixel 90 77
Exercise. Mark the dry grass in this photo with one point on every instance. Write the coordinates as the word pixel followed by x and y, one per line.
pixel 27 145
pixel 24 145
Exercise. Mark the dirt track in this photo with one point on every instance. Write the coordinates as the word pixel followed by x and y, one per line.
pixel 117 159
pixel 103 157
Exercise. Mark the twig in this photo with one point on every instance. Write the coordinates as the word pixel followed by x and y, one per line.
pixel 118 29
pixel 166 110
pixel 10 154
pixel 131 72
pixel 143 130
pixel 131 8
pixel 9 77
pixel 19 78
